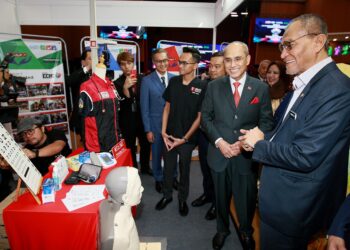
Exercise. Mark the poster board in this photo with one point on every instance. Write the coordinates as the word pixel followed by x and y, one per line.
pixel 19 162
pixel 43 96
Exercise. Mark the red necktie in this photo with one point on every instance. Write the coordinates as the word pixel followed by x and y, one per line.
pixel 236 96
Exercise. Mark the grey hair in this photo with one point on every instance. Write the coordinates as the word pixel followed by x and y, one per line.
pixel 242 44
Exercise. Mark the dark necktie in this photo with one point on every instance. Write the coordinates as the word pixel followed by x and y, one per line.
pixel 236 96
pixel 163 80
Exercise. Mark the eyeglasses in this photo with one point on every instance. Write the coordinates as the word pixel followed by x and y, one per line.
pixel 28 132
pixel 237 59
pixel 161 61
pixel 288 45
pixel 184 63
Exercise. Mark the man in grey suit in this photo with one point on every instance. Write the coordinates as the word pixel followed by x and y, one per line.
pixel 152 105
pixel 304 177
pixel 231 102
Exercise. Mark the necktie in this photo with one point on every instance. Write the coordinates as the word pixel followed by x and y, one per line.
pixel 163 80
pixel 236 96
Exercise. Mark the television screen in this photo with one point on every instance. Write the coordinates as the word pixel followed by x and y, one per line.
pixel 123 32
pixel 269 30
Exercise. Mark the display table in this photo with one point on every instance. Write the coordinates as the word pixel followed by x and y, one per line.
pixel 51 226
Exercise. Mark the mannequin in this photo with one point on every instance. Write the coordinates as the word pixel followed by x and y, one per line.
pixel 101 69
pixel 118 230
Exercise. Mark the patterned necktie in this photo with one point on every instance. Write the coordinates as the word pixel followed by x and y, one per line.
pixel 163 80
pixel 236 96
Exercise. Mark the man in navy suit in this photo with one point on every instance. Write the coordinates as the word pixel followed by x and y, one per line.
pixel 152 105
pixel 303 181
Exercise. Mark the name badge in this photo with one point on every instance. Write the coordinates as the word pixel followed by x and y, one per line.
pixel 293 115
pixel 104 95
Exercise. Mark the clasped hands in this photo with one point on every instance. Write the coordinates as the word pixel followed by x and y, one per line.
pixel 171 141
pixel 250 137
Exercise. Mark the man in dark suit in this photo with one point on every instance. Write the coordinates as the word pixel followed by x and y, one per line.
pixel 73 82
pixel 303 181
pixel 339 232
pixel 152 105
pixel 232 102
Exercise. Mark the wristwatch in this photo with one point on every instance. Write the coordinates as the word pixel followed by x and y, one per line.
pixel 186 140
pixel 36 151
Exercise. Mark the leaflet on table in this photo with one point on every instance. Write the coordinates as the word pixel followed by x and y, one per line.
pixel 82 195
pixel 19 162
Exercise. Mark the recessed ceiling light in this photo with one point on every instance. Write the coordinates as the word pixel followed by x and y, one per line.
pixel 233 13
pixel 347 37
pixel 245 13
pixel 335 39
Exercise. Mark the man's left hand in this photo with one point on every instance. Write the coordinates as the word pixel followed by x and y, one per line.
pixel 29 153
pixel 250 138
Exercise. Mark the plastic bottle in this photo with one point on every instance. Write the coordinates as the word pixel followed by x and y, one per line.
pixel 56 179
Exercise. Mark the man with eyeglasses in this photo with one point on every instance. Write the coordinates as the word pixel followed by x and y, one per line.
pixel 181 118
pixel 42 147
pixel 152 105
pixel 305 159
pixel 232 102
pixel 216 70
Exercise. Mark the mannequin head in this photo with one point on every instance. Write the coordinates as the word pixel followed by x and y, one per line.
pixel 124 186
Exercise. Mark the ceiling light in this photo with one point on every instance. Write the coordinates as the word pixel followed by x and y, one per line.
pixel 335 39
pixel 233 13
pixel 347 37
pixel 244 13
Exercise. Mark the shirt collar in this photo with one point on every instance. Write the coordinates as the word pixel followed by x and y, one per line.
pixel 305 77
pixel 160 76
pixel 241 81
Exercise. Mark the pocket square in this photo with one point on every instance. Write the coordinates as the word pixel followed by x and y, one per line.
pixel 255 100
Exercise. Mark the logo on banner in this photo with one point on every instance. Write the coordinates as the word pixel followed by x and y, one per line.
pixel 49 76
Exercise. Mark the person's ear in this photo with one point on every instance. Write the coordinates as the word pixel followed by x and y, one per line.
pixel 320 42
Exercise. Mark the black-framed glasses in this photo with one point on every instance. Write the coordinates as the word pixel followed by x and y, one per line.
pixel 29 132
pixel 161 61
pixel 184 63
pixel 288 45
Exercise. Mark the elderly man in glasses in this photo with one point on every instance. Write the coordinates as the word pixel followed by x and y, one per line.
pixel 42 147
pixel 303 181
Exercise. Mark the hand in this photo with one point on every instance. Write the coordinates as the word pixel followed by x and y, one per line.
pixel 336 243
pixel 236 147
pixel 129 82
pixel 228 150
pixel 250 138
pixel 30 154
pixel 4 164
pixel 204 76
pixel 176 142
pixel 167 141
pixel 150 137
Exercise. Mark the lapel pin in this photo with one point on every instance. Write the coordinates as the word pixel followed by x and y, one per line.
pixel 250 88
pixel 302 95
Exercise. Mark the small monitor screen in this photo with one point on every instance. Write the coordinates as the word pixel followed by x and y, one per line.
pixel 123 32
pixel 269 30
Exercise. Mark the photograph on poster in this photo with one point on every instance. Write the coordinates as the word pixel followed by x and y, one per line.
pixel 37 90
pixel 37 105
pixel 56 89
pixel 56 104
pixel 23 106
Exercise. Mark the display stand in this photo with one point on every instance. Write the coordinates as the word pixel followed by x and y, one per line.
pixel 18 192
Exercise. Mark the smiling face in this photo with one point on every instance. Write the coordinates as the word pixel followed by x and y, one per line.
pixel 161 62
pixel 273 74
pixel 304 49
pixel 236 60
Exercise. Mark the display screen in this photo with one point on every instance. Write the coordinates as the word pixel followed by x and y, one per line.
pixel 123 32
pixel 269 30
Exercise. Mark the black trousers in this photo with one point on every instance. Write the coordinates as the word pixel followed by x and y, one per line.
pixel 272 239
pixel 184 152
pixel 244 190
pixel 208 185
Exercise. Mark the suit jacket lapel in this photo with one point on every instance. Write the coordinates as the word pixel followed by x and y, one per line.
pixel 158 84
pixel 227 92
pixel 247 93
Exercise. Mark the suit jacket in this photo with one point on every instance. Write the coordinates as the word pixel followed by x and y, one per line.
pixel 341 223
pixel 303 181
pixel 221 118
pixel 152 102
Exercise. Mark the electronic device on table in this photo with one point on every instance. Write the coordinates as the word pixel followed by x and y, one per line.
pixel 104 159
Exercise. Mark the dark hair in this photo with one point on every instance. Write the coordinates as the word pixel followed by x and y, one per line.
pixel 194 52
pixel 218 54
pixel 125 56
pixel 84 54
pixel 283 85
pixel 159 50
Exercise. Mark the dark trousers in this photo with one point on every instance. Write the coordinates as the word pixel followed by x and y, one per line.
pixel 5 179
pixel 272 239
pixel 208 185
pixel 145 147
pixel 184 152
pixel 243 188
